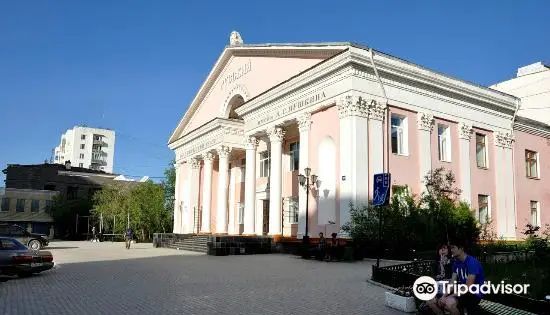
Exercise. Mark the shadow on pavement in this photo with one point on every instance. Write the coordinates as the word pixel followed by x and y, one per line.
pixel 60 247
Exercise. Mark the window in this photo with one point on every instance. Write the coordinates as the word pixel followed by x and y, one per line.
pixel 483 202
pixel 535 213
pixel 243 170
pixel 80 164
pixel 398 135
pixel 531 164
pixel 444 140
pixel 20 206
pixel 265 160
pixel 83 137
pixel 48 207
pixel 82 146
pixel 240 206
pixel 481 150
pixel 295 156
pixel 17 231
pixel 5 204
pixel 293 210
pixel 81 156
pixel 10 244
pixel 35 205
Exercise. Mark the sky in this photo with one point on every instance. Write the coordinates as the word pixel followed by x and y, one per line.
pixel 134 66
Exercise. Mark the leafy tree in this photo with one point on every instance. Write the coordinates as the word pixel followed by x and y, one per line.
pixel 169 184
pixel 64 213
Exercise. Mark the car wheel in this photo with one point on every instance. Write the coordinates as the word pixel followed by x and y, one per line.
pixel 35 245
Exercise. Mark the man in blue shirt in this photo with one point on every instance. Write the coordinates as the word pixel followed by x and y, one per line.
pixel 466 271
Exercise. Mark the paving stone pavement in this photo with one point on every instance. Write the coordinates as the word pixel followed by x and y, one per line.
pixel 105 278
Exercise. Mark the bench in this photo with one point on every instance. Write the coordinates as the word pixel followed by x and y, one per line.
pixel 488 307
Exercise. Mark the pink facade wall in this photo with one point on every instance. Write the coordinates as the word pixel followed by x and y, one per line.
pixel 405 168
pixel 531 189
pixel 324 123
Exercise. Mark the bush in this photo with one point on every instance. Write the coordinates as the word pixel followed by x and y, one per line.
pixel 410 224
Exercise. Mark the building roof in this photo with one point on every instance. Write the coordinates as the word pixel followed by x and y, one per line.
pixel 59 167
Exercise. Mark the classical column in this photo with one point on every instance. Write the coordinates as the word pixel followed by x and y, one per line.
pixel 304 125
pixel 377 112
pixel 465 135
pixel 250 185
pixel 354 151
pixel 232 215
pixel 505 195
pixel 183 197
pixel 425 124
pixel 276 136
pixel 177 212
pixel 223 181
pixel 207 191
pixel 193 204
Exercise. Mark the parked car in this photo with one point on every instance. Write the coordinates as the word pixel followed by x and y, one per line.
pixel 17 259
pixel 32 240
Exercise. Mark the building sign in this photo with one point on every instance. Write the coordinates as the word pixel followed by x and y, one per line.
pixel 203 145
pixel 237 74
pixel 288 109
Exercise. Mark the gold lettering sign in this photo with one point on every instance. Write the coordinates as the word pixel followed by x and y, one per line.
pixel 291 108
pixel 237 74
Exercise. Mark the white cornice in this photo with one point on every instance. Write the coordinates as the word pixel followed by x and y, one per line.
pixel 207 129
pixel 532 129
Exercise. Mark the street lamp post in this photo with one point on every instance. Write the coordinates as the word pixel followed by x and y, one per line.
pixel 307 181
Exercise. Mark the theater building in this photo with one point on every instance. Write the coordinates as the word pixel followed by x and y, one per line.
pixel 345 111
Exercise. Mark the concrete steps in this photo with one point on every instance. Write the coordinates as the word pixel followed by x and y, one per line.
pixel 196 243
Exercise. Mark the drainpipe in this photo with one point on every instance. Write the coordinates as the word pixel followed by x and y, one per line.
pixel 387 113
pixel 518 105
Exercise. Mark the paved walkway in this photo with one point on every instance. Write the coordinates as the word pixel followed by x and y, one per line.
pixel 105 278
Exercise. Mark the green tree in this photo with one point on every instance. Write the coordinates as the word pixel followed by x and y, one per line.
pixel 169 184
pixel 64 213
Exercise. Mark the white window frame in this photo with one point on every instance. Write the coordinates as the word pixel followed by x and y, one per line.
pixel 488 214
pixel 537 164
pixel 82 146
pixel 535 220
pixel 294 155
pixel 486 155
pixel 444 142
pixel 293 210
pixel 240 212
pixel 265 163
pixel 402 134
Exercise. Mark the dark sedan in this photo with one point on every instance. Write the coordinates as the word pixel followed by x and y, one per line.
pixel 17 259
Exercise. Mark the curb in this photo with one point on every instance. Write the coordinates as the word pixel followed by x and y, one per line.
pixel 378 284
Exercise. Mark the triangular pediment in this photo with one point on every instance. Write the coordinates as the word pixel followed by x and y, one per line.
pixel 245 72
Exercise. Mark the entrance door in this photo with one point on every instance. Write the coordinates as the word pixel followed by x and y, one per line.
pixel 266 217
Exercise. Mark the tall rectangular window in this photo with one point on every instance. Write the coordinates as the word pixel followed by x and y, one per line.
pixel 398 134
pixel 293 210
pixel 82 146
pixel 83 137
pixel 481 150
pixel 5 204
pixel 81 156
pixel 444 139
pixel 295 156
pixel 20 206
pixel 531 163
pixel 535 213
pixel 483 206
pixel 35 205
pixel 240 206
pixel 265 162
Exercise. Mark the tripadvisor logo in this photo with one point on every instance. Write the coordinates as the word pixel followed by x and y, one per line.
pixel 426 288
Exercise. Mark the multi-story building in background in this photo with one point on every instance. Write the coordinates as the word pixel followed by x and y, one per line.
pixel 87 147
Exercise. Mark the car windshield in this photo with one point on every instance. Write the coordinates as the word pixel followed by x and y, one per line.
pixel 11 244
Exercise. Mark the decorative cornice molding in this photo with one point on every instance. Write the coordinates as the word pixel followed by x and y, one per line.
pixel 504 139
pixel 377 109
pixel 195 163
pixel 304 122
pixel 425 121
pixel 223 151
pixel 276 134
pixel 208 157
pixel 351 105
pixel 465 131
pixel 251 143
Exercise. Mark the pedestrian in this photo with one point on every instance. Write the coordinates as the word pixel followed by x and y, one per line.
pixel 94 234
pixel 129 237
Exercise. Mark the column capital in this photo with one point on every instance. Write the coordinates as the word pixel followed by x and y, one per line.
pixel 377 110
pixel 425 121
pixel 276 134
pixel 208 157
pixel 352 105
pixel 504 139
pixel 251 143
pixel 465 131
pixel 223 151
pixel 195 163
pixel 304 122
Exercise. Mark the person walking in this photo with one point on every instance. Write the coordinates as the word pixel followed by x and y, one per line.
pixel 129 237
pixel 94 234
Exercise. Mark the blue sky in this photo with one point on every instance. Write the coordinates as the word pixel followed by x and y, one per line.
pixel 134 66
